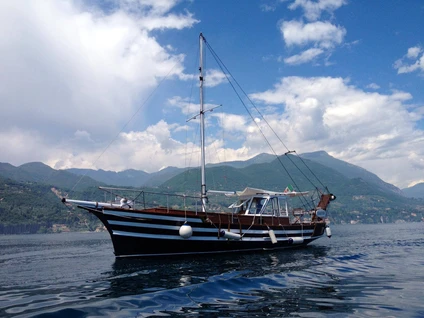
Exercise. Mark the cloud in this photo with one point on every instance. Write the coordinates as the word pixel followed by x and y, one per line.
pixel 187 107
pixel 145 150
pixel 404 65
pixel 171 21
pixel 70 69
pixel 231 122
pixel 328 113
pixel 152 7
pixel 321 34
pixel 304 57
pixel 313 9
pixel 214 78
pixel 373 86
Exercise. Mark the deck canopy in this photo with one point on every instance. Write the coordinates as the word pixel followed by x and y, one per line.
pixel 249 192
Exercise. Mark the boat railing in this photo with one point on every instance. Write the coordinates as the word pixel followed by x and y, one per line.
pixel 300 215
pixel 135 199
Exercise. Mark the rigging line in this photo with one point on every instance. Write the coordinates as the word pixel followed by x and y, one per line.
pixel 267 123
pixel 187 109
pixel 278 137
pixel 247 96
pixel 220 62
pixel 222 66
pixel 179 60
pixel 301 159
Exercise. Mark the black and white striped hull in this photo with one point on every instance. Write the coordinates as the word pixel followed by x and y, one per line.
pixel 144 234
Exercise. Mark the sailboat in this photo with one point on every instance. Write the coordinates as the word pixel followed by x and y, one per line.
pixel 257 220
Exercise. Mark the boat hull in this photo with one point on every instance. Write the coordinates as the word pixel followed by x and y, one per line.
pixel 149 233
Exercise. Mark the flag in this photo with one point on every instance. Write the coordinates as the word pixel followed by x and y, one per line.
pixel 289 188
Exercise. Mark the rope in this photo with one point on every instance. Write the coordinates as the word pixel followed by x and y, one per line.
pixel 226 71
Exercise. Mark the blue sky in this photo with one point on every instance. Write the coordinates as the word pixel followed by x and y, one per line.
pixel 335 75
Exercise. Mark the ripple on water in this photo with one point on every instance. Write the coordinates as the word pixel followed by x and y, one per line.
pixel 373 276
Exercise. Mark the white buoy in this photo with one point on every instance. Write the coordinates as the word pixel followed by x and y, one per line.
pixel 295 240
pixel 272 236
pixel 186 231
pixel 230 235
pixel 328 231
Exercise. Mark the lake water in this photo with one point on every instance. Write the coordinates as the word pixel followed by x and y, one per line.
pixel 362 271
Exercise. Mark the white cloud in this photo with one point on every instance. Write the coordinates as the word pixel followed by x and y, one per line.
pixel 313 9
pixel 327 113
pixel 413 52
pixel 231 122
pixel 304 57
pixel 404 66
pixel 74 72
pixel 214 78
pixel 373 86
pixel 147 150
pixel 186 105
pixel 310 114
pixel 170 21
pixel 158 7
pixel 321 34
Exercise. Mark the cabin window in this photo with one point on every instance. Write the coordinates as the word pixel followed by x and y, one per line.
pixel 243 207
pixel 239 207
pixel 256 205
pixel 283 207
pixel 271 208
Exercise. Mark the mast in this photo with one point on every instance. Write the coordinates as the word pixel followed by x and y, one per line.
pixel 202 127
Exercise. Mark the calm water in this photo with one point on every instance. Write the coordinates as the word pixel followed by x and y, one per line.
pixel 362 271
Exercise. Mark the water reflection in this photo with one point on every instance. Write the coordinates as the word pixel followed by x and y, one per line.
pixel 282 281
pixel 375 276
pixel 137 276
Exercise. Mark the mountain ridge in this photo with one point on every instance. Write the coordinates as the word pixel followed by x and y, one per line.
pixel 30 194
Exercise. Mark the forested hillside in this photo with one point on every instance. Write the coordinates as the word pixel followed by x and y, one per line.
pixel 30 194
pixel 30 207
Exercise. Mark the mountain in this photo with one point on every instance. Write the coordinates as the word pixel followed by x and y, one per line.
pixel 31 207
pixel 129 178
pixel 261 158
pixel 138 178
pixel 126 178
pixel 161 176
pixel 349 170
pixel 416 191
pixel 40 173
pixel 30 194
pixel 357 198
pixel 270 176
pixel 14 173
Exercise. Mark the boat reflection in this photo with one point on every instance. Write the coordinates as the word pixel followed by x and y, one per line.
pixel 141 276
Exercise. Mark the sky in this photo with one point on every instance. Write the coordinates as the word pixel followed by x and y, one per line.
pixel 111 84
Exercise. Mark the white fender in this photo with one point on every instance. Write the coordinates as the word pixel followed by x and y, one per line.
pixel 230 235
pixel 328 231
pixel 295 240
pixel 272 236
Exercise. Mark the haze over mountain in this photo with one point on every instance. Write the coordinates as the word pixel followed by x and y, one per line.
pixel 349 170
pixel 416 191
pixel 41 173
